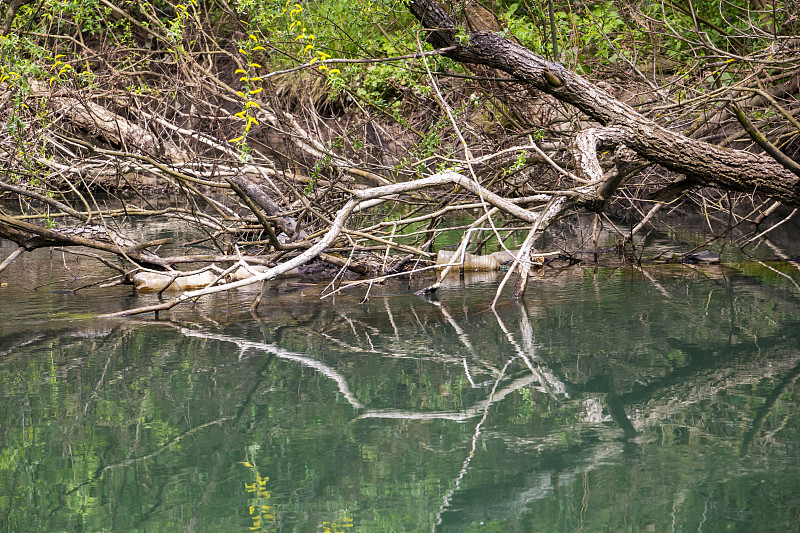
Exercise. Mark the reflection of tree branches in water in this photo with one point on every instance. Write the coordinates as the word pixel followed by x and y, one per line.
pixel 281 353
pixel 547 383
pixel 341 382
pixel 547 380
pixel 658 402
pixel 465 341
pixel 762 413
pixel 448 497
pixel 643 403
pixel 663 398
pixel 211 482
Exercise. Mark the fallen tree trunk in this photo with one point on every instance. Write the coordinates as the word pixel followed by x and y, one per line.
pixel 30 236
pixel 702 163
pixel 113 128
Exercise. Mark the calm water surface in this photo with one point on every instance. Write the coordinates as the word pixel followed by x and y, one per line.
pixel 608 401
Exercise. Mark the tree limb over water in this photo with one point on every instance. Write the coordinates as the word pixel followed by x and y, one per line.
pixel 702 163
pixel 360 200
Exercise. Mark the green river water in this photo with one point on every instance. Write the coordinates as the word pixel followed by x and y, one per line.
pixel 609 400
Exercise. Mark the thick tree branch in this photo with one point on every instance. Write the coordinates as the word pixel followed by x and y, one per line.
pixel 762 141
pixel 702 163
pixel 30 236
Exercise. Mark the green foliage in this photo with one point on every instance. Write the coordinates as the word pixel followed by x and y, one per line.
pixel 595 34
pixel 518 164
pixel 88 15
pixel 312 32
pixel 20 58
pixel 337 27
pixel 320 165
pixel 525 21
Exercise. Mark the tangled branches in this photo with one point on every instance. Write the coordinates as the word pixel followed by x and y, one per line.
pixel 271 143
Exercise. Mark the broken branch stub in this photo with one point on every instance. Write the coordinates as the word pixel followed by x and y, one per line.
pixel 285 223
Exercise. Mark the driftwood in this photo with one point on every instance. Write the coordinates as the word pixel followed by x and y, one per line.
pixel 113 128
pixel 360 200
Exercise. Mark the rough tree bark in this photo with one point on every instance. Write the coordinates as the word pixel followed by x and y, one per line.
pixel 703 164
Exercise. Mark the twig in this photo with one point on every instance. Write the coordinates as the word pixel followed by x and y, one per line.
pixel 10 259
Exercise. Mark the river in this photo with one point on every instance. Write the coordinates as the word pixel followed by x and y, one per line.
pixel 611 399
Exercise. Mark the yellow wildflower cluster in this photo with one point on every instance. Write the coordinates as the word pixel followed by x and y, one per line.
pixel 62 69
pixel 305 38
pixel 177 25
pixel 7 75
pixel 250 86
pixel 374 10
